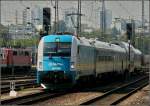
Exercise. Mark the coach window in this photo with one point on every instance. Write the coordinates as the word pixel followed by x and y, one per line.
pixel 99 58
pixel 15 53
pixel 78 50
pixel 1 55
pixel 26 53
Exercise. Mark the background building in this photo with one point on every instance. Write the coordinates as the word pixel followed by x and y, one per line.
pixel 27 16
pixel 20 31
pixel 108 19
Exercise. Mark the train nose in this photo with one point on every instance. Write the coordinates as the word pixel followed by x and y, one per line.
pixel 54 77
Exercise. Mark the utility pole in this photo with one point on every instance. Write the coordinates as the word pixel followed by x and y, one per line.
pixel 16 27
pixel 142 34
pixel 133 32
pixel 55 18
pixel 56 24
pixel 0 11
pixel 142 17
pixel 103 19
pixel 57 15
pixel 16 17
pixel 78 14
pixel 78 26
pixel 149 17
pixel 79 18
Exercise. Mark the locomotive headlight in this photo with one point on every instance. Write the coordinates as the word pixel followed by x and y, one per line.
pixel 72 65
pixel 43 86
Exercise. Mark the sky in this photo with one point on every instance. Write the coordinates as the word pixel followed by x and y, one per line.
pixel 90 9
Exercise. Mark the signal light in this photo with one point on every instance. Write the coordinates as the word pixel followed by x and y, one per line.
pixel 46 16
pixel 129 30
pixel 46 19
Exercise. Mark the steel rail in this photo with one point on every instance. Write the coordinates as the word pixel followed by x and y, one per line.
pixel 16 78
pixel 3 83
pixel 13 100
pixel 112 91
pixel 31 99
pixel 19 87
pixel 129 94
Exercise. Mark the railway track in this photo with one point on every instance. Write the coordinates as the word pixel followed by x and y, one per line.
pixel 7 82
pixel 43 96
pixel 6 88
pixel 31 99
pixel 5 78
pixel 19 84
pixel 116 95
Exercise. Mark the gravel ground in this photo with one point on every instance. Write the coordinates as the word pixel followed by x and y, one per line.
pixel 71 99
pixel 141 98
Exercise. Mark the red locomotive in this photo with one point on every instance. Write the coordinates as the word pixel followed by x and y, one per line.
pixel 18 60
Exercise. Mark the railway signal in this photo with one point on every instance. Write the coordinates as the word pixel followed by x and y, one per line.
pixel 129 30
pixel 46 19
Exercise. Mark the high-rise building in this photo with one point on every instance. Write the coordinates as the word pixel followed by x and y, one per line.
pixel 37 17
pixel 27 18
pixel 108 19
pixel 20 31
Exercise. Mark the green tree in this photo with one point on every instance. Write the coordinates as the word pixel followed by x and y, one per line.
pixel 4 37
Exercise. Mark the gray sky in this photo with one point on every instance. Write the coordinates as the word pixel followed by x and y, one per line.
pixel 90 9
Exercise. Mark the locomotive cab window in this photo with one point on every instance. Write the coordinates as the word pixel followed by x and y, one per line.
pixel 1 56
pixel 14 53
pixel 57 49
pixel 26 53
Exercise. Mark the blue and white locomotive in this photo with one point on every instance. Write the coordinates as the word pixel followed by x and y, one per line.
pixel 66 59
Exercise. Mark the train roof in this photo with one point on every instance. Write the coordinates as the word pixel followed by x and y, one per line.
pixel 100 44
pixel 84 41
pixel 136 51
pixel 126 46
pixel 106 45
